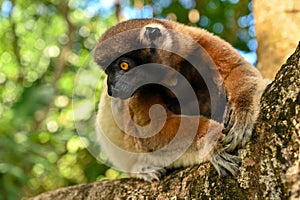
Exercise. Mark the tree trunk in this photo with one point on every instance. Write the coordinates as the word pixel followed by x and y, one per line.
pixel 270 162
pixel 277 25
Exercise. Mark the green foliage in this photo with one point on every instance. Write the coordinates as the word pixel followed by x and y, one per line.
pixel 222 17
pixel 43 46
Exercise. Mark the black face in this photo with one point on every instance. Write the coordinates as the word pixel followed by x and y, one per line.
pixel 127 73
pixel 142 67
pixel 117 87
pixel 140 71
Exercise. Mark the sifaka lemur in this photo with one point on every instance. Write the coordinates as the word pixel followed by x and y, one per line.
pixel 152 65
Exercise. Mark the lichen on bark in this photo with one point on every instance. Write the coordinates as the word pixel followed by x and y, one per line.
pixel 278 133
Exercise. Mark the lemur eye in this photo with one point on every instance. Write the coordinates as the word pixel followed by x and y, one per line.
pixel 124 66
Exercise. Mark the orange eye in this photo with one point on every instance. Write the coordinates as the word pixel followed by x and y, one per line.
pixel 124 66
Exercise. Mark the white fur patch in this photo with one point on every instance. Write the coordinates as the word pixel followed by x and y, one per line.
pixel 164 42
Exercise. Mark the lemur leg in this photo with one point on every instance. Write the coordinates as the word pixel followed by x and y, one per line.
pixel 244 106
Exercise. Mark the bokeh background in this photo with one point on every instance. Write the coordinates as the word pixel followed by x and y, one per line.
pixel 44 44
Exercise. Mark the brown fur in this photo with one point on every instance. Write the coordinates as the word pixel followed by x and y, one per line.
pixel 243 84
pixel 139 106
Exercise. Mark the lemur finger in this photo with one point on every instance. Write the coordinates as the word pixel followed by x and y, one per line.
pixel 226 164
pixel 230 124
pixel 234 138
pixel 240 133
pixel 151 173
pixel 227 114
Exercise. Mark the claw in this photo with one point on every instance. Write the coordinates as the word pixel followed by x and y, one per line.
pixel 150 173
pixel 238 131
pixel 226 164
pixel 227 114
pixel 230 123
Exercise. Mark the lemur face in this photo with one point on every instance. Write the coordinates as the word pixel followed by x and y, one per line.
pixel 130 72
pixel 144 52
pixel 143 65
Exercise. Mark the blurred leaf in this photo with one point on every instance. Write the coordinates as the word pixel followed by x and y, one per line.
pixel 31 100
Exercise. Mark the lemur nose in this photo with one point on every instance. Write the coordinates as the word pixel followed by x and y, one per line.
pixel 153 33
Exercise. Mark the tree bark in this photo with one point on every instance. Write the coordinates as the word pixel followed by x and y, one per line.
pixel 270 162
